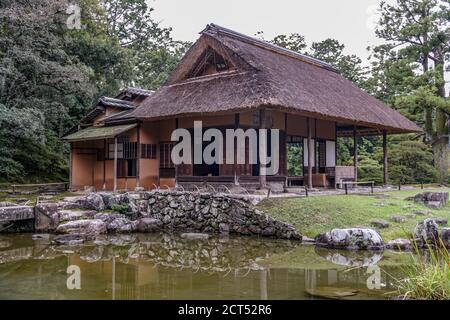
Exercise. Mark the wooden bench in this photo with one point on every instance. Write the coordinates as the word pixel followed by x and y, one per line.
pixel 353 183
pixel 41 187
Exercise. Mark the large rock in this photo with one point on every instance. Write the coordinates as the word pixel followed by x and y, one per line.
pixel 72 215
pixel 351 239
pixel 46 217
pixel 16 213
pixel 433 200
pixel 149 225
pixel 94 201
pixel 445 237
pixel 116 222
pixel 427 231
pixel 89 227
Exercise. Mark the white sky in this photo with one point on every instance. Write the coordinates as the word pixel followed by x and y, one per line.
pixel 349 21
pixel 352 22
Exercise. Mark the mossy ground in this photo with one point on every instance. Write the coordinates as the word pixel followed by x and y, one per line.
pixel 32 197
pixel 318 214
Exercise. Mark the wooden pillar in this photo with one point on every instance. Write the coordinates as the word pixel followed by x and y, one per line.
pixel 104 164
pixel 262 177
pixel 316 148
pixel 176 166
pixel 286 173
pixel 310 154
pixel 236 126
pixel 385 159
pixel 115 164
pixel 138 156
pixel 355 153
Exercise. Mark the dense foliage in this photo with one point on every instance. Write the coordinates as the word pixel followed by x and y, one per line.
pixel 52 71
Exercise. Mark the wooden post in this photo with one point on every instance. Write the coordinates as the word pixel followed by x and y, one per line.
pixel 104 164
pixel 115 164
pixel 310 154
pixel 138 156
pixel 385 159
pixel 346 188
pixel 262 177
pixel 286 151
pixel 355 153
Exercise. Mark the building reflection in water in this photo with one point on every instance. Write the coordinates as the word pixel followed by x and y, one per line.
pixel 161 266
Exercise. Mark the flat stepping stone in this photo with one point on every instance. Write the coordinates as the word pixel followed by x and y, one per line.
pixel 332 292
pixel 398 219
pixel 382 196
pixel 421 212
pixel 195 236
pixel 378 204
pixel 380 224
pixel 399 244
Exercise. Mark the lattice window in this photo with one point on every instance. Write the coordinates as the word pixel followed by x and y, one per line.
pixel 322 150
pixel 149 151
pixel 165 152
pixel 125 150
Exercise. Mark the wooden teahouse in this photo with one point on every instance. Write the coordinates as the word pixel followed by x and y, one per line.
pixel 229 80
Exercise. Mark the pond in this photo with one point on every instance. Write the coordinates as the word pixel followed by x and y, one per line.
pixel 167 266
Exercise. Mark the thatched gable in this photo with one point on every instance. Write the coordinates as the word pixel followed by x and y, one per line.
pixel 264 75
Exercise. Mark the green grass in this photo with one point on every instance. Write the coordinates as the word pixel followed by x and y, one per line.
pixel 318 214
pixel 428 277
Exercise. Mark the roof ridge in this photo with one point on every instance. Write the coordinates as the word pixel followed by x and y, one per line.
pixel 140 90
pixel 216 29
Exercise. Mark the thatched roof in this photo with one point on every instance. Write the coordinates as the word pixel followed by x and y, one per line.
pixel 264 75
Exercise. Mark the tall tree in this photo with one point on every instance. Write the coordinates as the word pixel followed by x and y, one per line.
pixel 39 83
pixel 332 51
pixel 419 31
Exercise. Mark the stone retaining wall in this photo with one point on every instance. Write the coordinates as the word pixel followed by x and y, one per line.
pixel 211 213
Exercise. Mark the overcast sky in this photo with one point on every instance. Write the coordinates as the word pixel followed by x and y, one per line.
pixel 352 22
pixel 349 21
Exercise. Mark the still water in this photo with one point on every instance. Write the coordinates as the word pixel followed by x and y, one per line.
pixel 163 266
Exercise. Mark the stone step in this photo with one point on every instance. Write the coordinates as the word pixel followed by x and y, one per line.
pixel 9 214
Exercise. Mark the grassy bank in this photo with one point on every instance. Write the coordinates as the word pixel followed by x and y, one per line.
pixel 318 214
pixel 428 277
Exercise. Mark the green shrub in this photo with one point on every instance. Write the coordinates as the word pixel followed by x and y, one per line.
pixel 123 208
